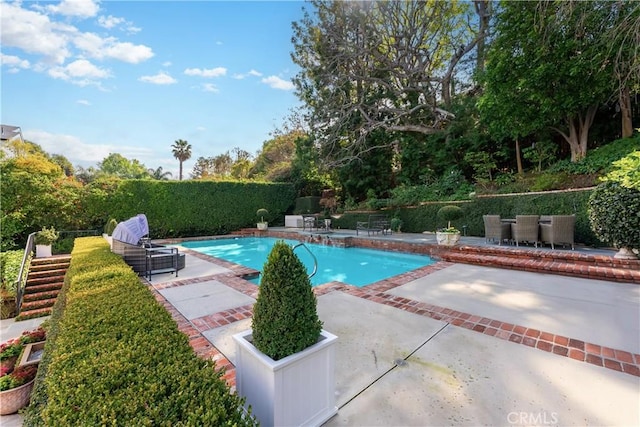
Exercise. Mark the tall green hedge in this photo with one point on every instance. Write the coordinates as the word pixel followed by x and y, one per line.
pixel 114 356
pixel 195 208
pixel 416 219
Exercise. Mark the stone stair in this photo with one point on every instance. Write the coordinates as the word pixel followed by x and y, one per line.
pixel 44 282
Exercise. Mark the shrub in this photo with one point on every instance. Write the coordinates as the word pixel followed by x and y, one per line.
pixel 261 213
pixel 9 269
pixel 614 214
pixel 46 236
pixel 116 357
pixel 285 319
pixel 450 213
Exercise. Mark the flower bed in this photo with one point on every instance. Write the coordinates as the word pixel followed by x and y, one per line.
pixel 16 380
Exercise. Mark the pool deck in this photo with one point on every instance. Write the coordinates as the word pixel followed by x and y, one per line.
pixel 448 344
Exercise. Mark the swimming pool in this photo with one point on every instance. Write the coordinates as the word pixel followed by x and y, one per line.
pixel 355 266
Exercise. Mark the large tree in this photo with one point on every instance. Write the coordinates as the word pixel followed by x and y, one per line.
pixel 545 68
pixel 117 165
pixel 182 152
pixel 372 67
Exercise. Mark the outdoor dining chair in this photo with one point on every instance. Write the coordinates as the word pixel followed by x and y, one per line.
pixel 525 229
pixel 495 229
pixel 559 230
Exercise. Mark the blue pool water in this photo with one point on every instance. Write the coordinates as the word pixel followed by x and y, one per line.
pixel 355 266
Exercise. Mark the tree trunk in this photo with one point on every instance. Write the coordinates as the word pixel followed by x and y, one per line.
pixel 518 158
pixel 625 112
pixel 483 12
pixel 578 133
pixel 180 170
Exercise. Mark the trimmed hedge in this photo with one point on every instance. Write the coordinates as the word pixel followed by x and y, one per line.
pixel 195 208
pixel 114 356
pixel 416 219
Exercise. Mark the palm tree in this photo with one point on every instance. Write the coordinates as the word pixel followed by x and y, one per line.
pixel 182 152
pixel 159 173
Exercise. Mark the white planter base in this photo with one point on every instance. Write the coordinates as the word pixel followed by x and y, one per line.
pixel 43 251
pixel 447 239
pixel 298 390
pixel 262 225
pixel 625 253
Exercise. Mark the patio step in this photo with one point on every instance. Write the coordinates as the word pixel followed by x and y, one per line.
pixel 563 263
pixel 44 282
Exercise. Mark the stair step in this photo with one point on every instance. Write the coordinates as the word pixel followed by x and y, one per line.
pixel 36 305
pixel 32 314
pixel 46 273
pixel 31 289
pixel 59 259
pixel 37 296
pixel 44 280
pixel 48 267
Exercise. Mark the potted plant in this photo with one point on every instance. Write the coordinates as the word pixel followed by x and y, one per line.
pixel 44 239
pixel 286 339
pixel 395 224
pixel 449 236
pixel 613 214
pixel 16 380
pixel 262 224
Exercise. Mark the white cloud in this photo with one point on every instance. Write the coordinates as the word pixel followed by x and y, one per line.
pixel 98 47
pixel 110 21
pixel 34 33
pixel 210 87
pixel 250 73
pixel 167 64
pixel 161 78
pixel 80 72
pixel 80 8
pixel 201 128
pixel 211 72
pixel 83 102
pixel 14 62
pixel 277 83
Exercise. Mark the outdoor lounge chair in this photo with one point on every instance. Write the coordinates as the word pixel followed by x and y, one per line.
pixel 525 229
pixel 376 224
pixel 560 229
pixel 130 240
pixel 495 229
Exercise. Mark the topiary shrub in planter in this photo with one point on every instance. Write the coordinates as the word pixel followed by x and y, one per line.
pixel 614 215
pixel 449 236
pixel 286 339
pixel 262 224
pixel 44 239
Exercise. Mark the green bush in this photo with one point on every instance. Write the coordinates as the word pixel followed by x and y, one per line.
pixel 450 213
pixel 46 236
pixel 110 226
pixel 10 262
pixel 114 356
pixel 614 213
pixel 285 319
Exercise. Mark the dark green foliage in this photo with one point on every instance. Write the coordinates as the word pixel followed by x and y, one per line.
pixel 308 204
pixel 600 160
pixel 115 356
pixel 196 208
pixel 450 213
pixel 614 213
pixel 285 320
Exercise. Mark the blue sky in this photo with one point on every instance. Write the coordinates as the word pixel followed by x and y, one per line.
pixel 86 78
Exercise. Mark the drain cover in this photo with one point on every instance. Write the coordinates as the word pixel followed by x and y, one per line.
pixel 400 362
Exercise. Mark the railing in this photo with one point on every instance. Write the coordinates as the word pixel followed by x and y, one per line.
pixel 29 251
pixel 21 281
pixel 315 261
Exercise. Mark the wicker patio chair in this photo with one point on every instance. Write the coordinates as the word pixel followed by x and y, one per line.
pixel 560 230
pixel 525 229
pixel 309 222
pixel 495 229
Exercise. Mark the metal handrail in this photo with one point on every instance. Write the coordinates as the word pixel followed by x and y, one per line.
pixel 21 281
pixel 315 260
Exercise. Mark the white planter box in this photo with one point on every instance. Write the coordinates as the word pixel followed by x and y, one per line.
pixel 294 221
pixel 447 239
pixel 43 251
pixel 298 390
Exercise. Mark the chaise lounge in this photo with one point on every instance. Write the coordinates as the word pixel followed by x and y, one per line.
pixel 130 240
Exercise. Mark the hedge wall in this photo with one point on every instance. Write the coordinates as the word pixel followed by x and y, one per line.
pixel 417 219
pixel 195 208
pixel 114 356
